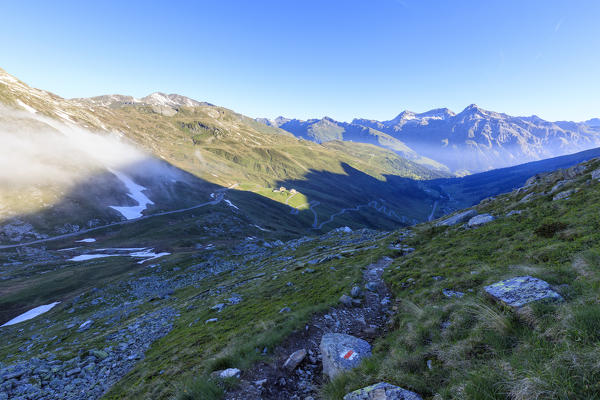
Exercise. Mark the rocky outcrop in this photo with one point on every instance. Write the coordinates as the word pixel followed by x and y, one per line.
pixel 522 290
pixel 342 352
pixel 479 220
pixel 563 195
pixel 457 218
pixel 382 391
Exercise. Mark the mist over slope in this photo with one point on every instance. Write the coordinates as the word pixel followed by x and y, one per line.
pixel 182 151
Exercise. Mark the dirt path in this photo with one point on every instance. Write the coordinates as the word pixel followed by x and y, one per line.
pixel 366 321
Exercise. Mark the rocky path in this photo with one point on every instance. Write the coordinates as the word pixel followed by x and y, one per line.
pixel 363 313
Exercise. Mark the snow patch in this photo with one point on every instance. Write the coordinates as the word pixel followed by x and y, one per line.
pixel 34 312
pixel 230 204
pixel 26 107
pixel 87 240
pixel 135 252
pixel 85 257
pixel 135 192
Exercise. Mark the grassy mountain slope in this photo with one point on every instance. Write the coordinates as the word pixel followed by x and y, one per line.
pixel 326 130
pixel 463 192
pixel 213 146
pixel 474 348
pixel 478 348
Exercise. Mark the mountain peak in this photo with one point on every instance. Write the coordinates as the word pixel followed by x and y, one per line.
pixel 170 100
pixel 472 107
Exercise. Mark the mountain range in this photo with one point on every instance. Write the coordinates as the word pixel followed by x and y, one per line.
pixel 471 141
pixel 166 248
pixel 79 158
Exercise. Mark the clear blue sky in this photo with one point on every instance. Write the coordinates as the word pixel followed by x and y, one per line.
pixel 305 58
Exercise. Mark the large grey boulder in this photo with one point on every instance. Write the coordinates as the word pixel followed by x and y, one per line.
pixel 560 185
pixel 382 391
pixel 479 220
pixel 563 195
pixel 342 352
pixel 517 292
pixel 457 218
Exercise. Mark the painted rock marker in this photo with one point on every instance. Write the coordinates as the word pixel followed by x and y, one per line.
pixel 342 352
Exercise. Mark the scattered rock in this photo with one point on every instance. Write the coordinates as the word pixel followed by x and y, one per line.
pixel 522 290
pixel 285 310
pixel 563 195
pixel 479 220
pixel 346 300
pixel 342 352
pixel 560 185
pixel 230 373
pixel 457 218
pixel 528 197
pixel 85 326
pixel 514 212
pixel 596 174
pixel 218 307
pixel 294 360
pixel 382 391
pixel 355 292
pixel 452 293
pixel 208 321
pixel 234 299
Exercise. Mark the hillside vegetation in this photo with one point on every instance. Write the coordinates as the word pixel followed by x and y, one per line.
pixel 473 347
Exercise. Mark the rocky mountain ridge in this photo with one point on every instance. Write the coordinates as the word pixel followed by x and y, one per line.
pixel 472 140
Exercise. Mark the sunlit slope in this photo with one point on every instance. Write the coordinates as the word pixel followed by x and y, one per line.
pixel 208 147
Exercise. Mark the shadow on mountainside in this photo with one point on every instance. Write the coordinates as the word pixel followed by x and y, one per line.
pixel 206 213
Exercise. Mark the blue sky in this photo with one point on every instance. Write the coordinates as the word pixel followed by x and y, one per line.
pixel 306 59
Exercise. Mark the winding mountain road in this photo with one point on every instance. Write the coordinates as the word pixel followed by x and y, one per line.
pixel 218 198
pixel 430 218
pixel 373 204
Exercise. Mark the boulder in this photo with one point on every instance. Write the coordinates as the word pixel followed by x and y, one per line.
pixel 227 373
pixel 230 373
pixel 528 197
pixel 346 300
pixel 294 360
pixel 452 293
pixel 382 391
pixel 85 326
pixel 517 292
pixel 355 292
pixel 479 220
pixel 560 185
pixel 342 352
pixel 457 218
